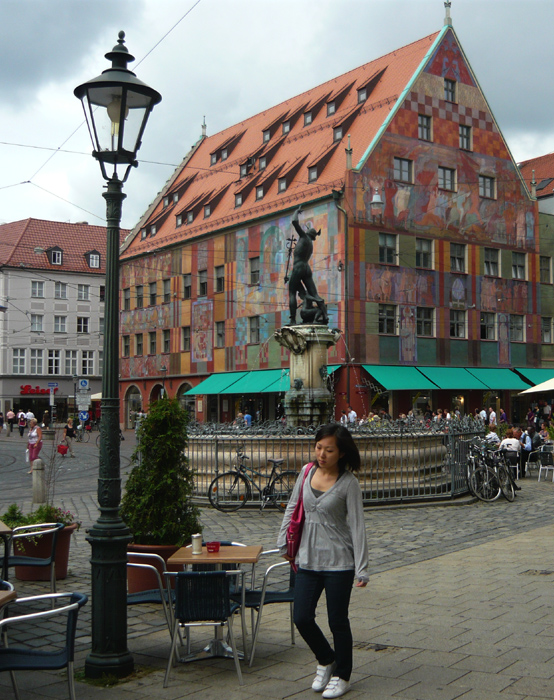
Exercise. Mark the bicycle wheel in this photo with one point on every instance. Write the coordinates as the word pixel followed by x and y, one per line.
pixel 98 440
pixel 484 484
pixel 229 491
pixel 85 436
pixel 506 483
pixel 281 489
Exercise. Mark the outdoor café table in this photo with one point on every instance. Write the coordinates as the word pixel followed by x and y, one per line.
pixel 6 596
pixel 228 554
pixel 5 534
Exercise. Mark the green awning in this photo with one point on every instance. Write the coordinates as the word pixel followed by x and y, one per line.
pixel 496 378
pixel 282 383
pixel 332 368
pixel 253 382
pixel 396 378
pixel 536 376
pixel 216 383
pixel 453 378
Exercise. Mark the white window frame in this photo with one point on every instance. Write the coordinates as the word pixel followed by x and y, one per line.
pixel 517 328
pixel 60 290
pixel 387 319
pixel 83 292
pixel 83 325
pixel 458 324
pixel 87 362
pixel 94 260
pixel 37 289
pixel 18 360
pixel 487 325
pixel 446 178
pixel 70 362
pixel 57 257
pixel 54 362
pixel 36 323
pixel 425 321
pixel 388 249
pixel 37 361
pixel 458 252
pixel 60 324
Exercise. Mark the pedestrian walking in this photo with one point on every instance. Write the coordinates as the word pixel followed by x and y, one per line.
pixel 333 552
pixel 352 416
pixel 69 435
pixel 34 442
pixel 10 416
pixel 21 423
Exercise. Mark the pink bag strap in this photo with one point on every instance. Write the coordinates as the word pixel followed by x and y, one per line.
pixel 308 470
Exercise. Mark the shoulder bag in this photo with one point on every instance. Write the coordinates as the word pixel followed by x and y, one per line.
pixel 296 525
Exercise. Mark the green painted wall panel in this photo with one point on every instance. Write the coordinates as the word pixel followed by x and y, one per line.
pixel 489 354
pixel 458 353
pixel 518 354
pixel 388 349
pixel 426 351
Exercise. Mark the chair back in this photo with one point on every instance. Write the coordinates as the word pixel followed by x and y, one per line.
pixel 71 626
pixel 512 457
pixel 51 530
pixel 547 456
pixel 202 595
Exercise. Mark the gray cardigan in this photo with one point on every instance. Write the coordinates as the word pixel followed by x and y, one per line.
pixel 333 538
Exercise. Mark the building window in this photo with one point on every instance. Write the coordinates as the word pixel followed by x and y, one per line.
pixel 457 324
pixel 36 323
pixel 37 290
pixel 175 197
pixel 190 217
pixel 254 270
pixel 457 257
pixel 36 361
pixel 281 184
pixel 447 179
pixel 238 200
pixel 18 361
pixel 424 127
pixel 203 283
pixel 312 173
pixel 449 90
pixel 166 339
pixel 83 292
pixel 517 329
pixel 213 159
pixel 387 319
pixel 387 248
pixel 53 361
pixel 140 296
pixel 220 334
pixel 94 260
pixel 82 324
pixel 492 267
pixel 126 346
pixel 486 187
pixel 220 278
pixel 207 210
pixel 254 323
pixel 71 363
pixel 464 133
pixel 187 286
pixel 138 344
pixel 166 202
pixel 167 291
pixel 403 170
pixel 545 269
pixel 60 324
pixel 87 362
pixel 286 127
pixel 362 95
pixel 244 170
pixel 518 266
pixel 153 230
pixel 424 253
pixel 224 154
pixel 337 133
pixel 307 118
pixel 101 325
pixel 100 362
pixel 56 257
pixel 143 233
pixel 60 290
pixel 331 108
pixel 179 220
pixel 262 163
pixel 153 294
pixel 127 299
pixel 102 293
pixel 186 338
pixel 488 326
pixel 266 135
pixel 424 322
pixel 546 330
pixel 260 192
pixel 152 343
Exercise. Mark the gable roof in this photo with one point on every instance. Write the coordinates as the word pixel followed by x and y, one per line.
pixel 308 143
pixel 19 239
pixel 544 173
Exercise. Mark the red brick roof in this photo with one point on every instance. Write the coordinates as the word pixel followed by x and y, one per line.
pixel 19 239
pixel 307 144
pixel 544 173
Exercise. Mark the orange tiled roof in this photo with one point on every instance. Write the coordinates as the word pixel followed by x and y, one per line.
pixel 289 154
pixel 544 173
pixel 19 239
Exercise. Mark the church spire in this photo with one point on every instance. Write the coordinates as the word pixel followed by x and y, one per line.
pixel 447 17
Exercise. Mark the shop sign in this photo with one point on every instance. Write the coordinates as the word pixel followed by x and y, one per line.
pixel 28 389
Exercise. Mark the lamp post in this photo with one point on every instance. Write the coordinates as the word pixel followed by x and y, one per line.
pixel 75 378
pixel 117 106
pixel 163 370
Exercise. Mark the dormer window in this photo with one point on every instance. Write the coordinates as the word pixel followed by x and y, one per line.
pixel 238 199
pixel 179 220
pixel 213 159
pixel 259 192
pixel 224 154
pixel 286 127
pixel 175 198
pixel 331 108
pixel 207 210
pixel 93 259
pixel 307 118
pixel 362 95
pixel 263 163
pixel 244 170
pixel 166 202
pixel 337 133
pixel 55 255
pixel 281 184
pixel 190 217
pixel 143 233
pixel 312 173
pixel 266 135
pixel 153 230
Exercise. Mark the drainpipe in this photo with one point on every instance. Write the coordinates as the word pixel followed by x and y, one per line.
pixel 337 195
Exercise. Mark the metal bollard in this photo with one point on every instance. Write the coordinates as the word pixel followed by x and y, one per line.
pixel 39 484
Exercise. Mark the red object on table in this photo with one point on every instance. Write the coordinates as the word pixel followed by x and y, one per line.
pixel 212 546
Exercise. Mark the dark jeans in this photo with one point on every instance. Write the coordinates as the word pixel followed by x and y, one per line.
pixel 307 590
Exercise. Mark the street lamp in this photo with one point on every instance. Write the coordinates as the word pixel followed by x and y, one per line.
pixel 163 370
pixel 117 106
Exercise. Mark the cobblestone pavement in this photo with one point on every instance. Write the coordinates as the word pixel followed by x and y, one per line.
pixel 459 603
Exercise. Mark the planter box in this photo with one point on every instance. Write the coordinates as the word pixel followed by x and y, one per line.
pixel 140 579
pixel 41 549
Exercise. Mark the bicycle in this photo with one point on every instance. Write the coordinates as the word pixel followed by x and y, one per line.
pixel 121 438
pixel 489 474
pixel 82 434
pixel 233 489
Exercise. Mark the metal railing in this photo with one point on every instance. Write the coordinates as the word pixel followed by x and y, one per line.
pixel 401 460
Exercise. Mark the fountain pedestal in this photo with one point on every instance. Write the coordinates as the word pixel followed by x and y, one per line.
pixel 309 400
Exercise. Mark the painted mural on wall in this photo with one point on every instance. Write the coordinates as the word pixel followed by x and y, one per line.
pixel 401 285
pixel 448 62
pixel 202 331
pixel 146 270
pixel 407 333
pixel 148 318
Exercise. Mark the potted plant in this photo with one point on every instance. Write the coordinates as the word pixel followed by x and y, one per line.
pixel 39 546
pixel 157 503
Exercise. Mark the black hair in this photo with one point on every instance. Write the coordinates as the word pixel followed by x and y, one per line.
pixel 350 455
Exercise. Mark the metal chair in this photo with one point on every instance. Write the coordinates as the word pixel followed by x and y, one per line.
pixel 546 461
pixel 156 568
pixel 31 532
pixel 17 658
pixel 202 599
pixel 512 460
pixel 255 599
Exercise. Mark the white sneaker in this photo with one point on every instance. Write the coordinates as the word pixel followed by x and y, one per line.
pixel 336 687
pixel 322 677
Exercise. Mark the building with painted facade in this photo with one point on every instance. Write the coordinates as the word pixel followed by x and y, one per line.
pixel 429 257
pixel 51 325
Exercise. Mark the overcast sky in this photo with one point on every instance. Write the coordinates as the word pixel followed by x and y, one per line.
pixel 228 60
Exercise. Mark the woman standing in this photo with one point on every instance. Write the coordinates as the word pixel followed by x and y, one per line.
pixel 34 442
pixel 333 552
pixel 69 435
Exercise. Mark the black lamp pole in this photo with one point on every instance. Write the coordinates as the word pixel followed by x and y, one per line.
pixel 117 106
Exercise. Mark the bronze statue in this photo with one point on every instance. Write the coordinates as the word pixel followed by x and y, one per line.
pixel 301 281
